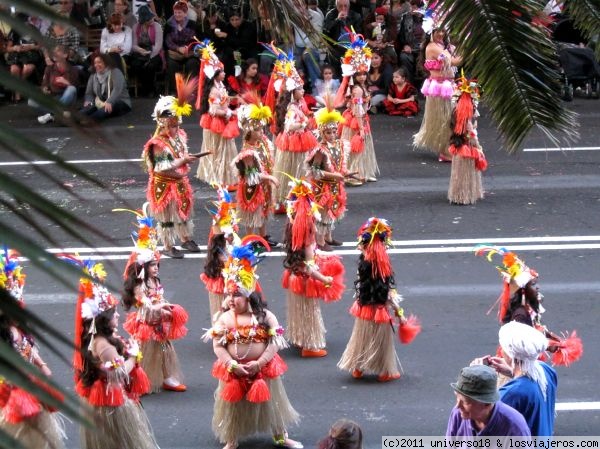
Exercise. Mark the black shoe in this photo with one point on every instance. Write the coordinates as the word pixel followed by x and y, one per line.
pixel 325 247
pixel 173 253
pixel 272 243
pixel 191 246
pixel 334 242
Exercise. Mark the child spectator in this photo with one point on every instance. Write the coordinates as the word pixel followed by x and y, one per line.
pixel 327 85
pixel 343 434
pixel 401 99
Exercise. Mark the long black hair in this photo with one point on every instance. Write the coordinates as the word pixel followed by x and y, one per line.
pixel 214 263
pixel 532 299
pixel 293 260
pixel 283 101
pixel 132 280
pixel 204 105
pixel 371 290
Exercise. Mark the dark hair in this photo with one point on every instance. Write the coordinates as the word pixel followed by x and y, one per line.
pixel 293 260
pixel 5 329
pixel 91 371
pixel 401 71
pixel 369 289
pixel 245 65
pixel 115 18
pixel 531 298
pixel 458 140
pixel 132 280
pixel 204 106
pixel 283 101
pixel 106 59
pixel 422 49
pixel 343 434
pixel 216 248
pixel 328 67
pixel 258 306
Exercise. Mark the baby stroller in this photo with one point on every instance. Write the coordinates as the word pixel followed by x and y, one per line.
pixel 579 68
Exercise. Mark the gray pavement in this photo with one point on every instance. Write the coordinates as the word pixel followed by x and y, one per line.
pixel 533 196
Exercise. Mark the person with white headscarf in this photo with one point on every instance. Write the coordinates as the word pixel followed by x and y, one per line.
pixel 532 389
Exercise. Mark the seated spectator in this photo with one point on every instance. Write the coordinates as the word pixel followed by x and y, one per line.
pixel 402 96
pixel 378 80
pixel 147 56
pixel 78 13
pixel 328 85
pixel 249 80
pixel 179 34
pixel 240 41
pixel 380 33
pixel 68 36
pixel 106 94
pixel 211 27
pixel 343 434
pixel 122 7
pixel 116 41
pixel 60 80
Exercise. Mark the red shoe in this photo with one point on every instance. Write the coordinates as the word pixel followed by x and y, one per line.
pixel 311 353
pixel 357 374
pixel 279 209
pixel 387 377
pixel 179 388
pixel 232 188
pixel 442 158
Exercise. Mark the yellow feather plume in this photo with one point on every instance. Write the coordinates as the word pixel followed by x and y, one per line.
pixel 260 113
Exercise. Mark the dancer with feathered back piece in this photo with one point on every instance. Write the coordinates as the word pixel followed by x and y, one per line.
pixel 217 120
pixel 370 349
pixel 167 160
pixel 293 124
pixel 521 301
pixel 222 234
pixel 250 397
pixel 254 165
pixel 154 322
pixel 107 371
pixel 309 276
pixel 468 160
pixel 23 416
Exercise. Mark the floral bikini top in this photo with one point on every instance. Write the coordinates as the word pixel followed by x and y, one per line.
pixel 251 333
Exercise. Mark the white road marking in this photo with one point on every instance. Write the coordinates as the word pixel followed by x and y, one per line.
pixel 534 150
pixel 77 161
pixel 571 406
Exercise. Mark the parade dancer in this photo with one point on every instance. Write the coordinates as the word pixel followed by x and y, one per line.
pixel 370 349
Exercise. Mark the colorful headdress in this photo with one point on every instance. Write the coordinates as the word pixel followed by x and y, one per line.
pixel 94 299
pixel 513 270
pixel 465 100
pixel 12 278
pixel 284 76
pixel 432 18
pixel 240 269
pixel 357 58
pixel 145 239
pixel 375 236
pixel 209 64
pixel 169 108
pixel 223 212
pixel 302 211
pixel 253 115
pixel 328 117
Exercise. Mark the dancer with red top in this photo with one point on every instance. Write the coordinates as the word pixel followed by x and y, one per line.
pixel 107 371
pixel 370 349
pixel 250 397
pixel 154 322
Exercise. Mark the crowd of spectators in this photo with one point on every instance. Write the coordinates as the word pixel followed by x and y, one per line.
pixel 148 41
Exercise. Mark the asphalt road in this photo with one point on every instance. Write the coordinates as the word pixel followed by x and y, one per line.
pixel 543 204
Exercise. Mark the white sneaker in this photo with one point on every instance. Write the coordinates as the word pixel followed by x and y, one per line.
pixel 46 118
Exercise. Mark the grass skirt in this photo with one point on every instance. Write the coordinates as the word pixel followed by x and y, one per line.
pixel 371 349
pixel 43 431
pixel 215 300
pixel 160 361
pixel 292 163
pixel 235 420
pixel 365 162
pixel 435 131
pixel 305 327
pixel 465 181
pixel 181 230
pixel 216 167
pixel 124 427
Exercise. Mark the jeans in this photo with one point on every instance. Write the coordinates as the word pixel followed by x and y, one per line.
pixel 67 99
pixel 119 108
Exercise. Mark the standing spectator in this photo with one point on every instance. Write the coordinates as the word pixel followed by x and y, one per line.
pixel 328 85
pixel 478 412
pixel 147 56
pixel 402 96
pixel 116 41
pixel 60 80
pixel 106 94
pixel 179 34
pixel 305 52
pixel 240 41
pixel 343 434
pixel 336 22
pixel 379 80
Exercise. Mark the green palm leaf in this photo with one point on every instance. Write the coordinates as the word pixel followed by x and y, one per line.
pixel 516 63
pixel 586 17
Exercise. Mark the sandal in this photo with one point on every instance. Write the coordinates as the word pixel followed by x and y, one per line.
pixel 284 441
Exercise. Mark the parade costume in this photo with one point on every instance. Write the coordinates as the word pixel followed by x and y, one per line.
pixel 154 321
pixel 24 416
pixel 521 301
pixel 218 121
pixel 222 232
pixel 357 59
pixel 254 192
pixel 305 273
pixel 330 194
pixel 107 371
pixel 468 160
pixel 169 191
pixel 296 139
pixel 370 349
pixel 253 400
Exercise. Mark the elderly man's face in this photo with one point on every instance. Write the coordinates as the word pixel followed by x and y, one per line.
pixel 343 5
pixel 471 409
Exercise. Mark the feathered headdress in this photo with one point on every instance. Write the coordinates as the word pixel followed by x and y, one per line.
pixel 253 115
pixel 12 278
pixel 302 211
pixel 93 299
pixel 432 18
pixel 284 76
pixel 240 269
pixel 328 117
pixel 223 212
pixel 357 58
pixel 145 239
pixel 465 101
pixel 375 236
pixel 169 108
pixel 209 64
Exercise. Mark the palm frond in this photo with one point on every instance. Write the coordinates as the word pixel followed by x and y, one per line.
pixel 586 17
pixel 516 63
